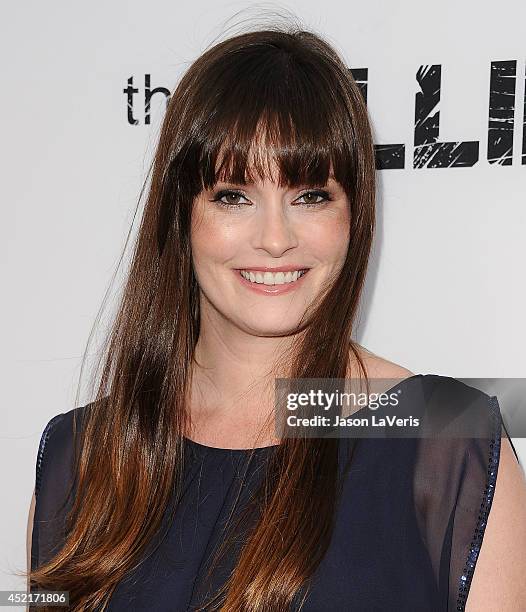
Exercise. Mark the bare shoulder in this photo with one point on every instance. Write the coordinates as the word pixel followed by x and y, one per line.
pixel 498 580
pixel 377 366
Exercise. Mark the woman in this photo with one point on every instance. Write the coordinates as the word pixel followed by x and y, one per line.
pixel 171 490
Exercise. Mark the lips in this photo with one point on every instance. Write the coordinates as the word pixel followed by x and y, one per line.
pixel 263 269
pixel 270 279
pixel 272 289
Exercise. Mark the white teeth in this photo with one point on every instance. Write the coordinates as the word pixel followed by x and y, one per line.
pixel 268 278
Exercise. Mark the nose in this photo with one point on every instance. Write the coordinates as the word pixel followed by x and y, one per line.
pixel 274 231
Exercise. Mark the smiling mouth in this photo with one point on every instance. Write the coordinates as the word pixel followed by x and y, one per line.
pixel 271 279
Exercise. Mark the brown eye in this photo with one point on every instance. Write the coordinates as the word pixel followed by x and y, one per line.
pixel 310 197
pixel 228 198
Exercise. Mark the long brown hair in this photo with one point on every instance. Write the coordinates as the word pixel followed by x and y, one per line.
pixel 290 89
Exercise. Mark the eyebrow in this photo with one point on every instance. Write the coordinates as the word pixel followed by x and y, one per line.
pixel 330 179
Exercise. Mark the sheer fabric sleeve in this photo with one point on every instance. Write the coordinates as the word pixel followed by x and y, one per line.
pixel 454 483
pixel 53 484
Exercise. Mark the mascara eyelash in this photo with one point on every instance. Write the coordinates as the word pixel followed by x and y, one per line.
pixel 321 193
pixel 223 192
pixel 325 195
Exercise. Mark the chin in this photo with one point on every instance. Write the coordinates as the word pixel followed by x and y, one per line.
pixel 260 327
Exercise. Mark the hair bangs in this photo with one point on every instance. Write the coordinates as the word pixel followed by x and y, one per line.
pixel 278 122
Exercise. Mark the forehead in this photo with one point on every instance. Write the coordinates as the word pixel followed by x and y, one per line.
pixel 261 167
pixel 275 152
pixel 261 184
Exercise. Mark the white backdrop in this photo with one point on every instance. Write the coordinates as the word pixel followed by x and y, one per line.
pixel 445 291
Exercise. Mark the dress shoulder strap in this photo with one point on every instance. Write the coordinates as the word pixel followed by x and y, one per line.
pixel 54 485
pixel 454 480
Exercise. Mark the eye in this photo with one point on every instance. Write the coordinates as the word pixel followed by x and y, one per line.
pixel 228 198
pixel 228 193
pixel 317 193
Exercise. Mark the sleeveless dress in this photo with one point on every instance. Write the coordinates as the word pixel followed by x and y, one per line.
pixel 408 528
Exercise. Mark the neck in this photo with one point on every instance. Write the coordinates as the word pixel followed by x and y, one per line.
pixel 233 375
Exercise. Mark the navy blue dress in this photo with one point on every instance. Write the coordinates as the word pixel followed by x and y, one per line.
pixel 409 524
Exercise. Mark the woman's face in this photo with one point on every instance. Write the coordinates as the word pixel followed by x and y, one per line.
pixel 257 226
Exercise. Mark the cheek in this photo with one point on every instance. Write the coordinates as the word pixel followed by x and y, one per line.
pixel 328 235
pixel 212 239
pixel 215 239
